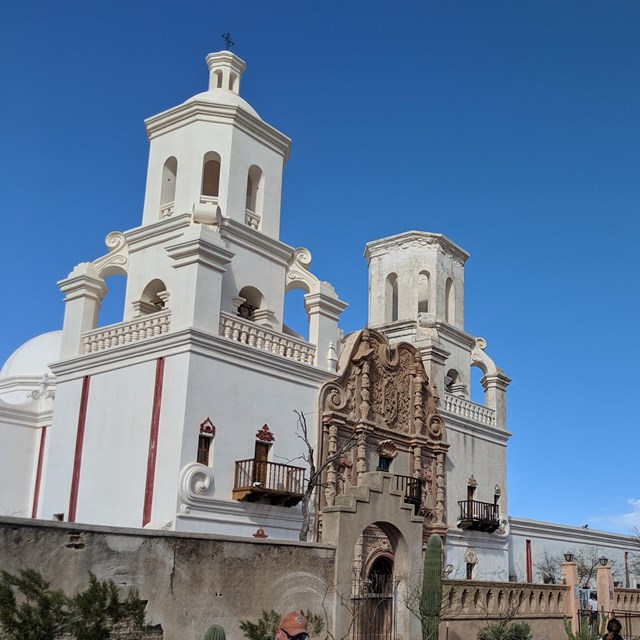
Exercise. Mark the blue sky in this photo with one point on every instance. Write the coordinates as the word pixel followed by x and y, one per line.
pixel 510 127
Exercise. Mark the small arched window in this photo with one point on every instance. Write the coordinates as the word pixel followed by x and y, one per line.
pixel 450 380
pixel 423 292
pixel 233 79
pixel 391 298
pixel 252 300
pixel 253 214
pixel 380 576
pixel 211 175
pixel 168 187
pixel 450 302
pixel 154 298
pixel 218 79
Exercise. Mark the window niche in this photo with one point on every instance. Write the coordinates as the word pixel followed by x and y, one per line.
pixel 154 298
pixel 210 178
pixel 205 440
pixel 387 451
pixel 168 187
pixel 391 298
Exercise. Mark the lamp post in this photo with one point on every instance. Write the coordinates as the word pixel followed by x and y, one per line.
pixel 603 561
pixel 568 556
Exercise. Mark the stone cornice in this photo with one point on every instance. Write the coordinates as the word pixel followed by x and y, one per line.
pixel 41 525
pixel 202 245
pixel 244 236
pixel 459 337
pixel 328 306
pixel 573 535
pixel 158 232
pixel 25 415
pixel 415 239
pixel 201 110
pixel 190 341
pixel 478 540
pixel 19 383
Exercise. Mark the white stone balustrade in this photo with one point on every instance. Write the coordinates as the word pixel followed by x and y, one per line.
pixel 255 335
pixel 126 332
pixel 467 409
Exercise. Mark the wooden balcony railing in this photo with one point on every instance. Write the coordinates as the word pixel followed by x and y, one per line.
pixel 412 489
pixel 479 516
pixel 281 484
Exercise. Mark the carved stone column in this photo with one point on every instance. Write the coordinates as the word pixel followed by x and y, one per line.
pixel 361 465
pixel 439 509
pixel 332 447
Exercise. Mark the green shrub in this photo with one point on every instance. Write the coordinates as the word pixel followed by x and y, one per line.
pixel 500 631
pixel 30 610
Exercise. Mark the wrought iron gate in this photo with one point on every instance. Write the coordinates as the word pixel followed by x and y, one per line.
pixel 374 615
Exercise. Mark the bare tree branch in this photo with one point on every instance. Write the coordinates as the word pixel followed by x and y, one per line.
pixel 316 467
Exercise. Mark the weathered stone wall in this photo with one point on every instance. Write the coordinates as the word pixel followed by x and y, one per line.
pixel 190 581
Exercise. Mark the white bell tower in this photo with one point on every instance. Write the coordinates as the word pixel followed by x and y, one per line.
pixel 214 151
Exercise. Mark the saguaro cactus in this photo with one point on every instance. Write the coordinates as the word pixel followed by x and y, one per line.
pixel 215 632
pixel 431 596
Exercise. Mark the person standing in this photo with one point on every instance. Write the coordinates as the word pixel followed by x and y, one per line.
pixel 593 610
pixel 292 626
pixel 613 630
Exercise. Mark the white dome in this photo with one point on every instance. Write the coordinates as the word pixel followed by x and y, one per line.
pixel 34 356
pixel 222 96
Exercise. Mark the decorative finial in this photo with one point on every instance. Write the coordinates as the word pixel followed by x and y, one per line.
pixel 227 40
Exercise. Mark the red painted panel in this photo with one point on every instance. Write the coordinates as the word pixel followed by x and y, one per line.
pixel 153 443
pixel 77 459
pixel 36 490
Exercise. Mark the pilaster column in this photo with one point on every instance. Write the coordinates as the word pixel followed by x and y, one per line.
pixel 570 573
pixel 332 447
pixel 84 290
pixel 604 585
pixel 495 389
pixel 434 356
pixel 324 309
pixel 200 257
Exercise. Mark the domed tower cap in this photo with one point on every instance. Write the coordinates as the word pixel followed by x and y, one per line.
pixel 225 71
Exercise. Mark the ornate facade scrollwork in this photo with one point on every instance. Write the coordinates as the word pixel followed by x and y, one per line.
pixel 383 397
pixel 117 260
pixel 385 386
pixel 298 274
pixel 195 484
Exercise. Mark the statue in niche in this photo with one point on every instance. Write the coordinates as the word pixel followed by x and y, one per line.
pixel 343 476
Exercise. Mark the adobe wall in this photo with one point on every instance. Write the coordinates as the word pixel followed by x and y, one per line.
pixel 194 580
pixel 190 581
pixel 472 605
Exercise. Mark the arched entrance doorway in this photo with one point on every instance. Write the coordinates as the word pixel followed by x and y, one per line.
pixel 374 596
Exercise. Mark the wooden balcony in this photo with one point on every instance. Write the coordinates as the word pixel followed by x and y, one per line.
pixel 479 516
pixel 279 484
pixel 412 489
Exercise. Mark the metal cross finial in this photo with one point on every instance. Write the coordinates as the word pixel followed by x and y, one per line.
pixel 227 40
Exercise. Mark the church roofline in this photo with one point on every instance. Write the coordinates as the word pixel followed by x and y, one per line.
pixel 195 109
pixel 414 238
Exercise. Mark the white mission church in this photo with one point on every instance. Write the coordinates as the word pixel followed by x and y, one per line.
pixel 144 423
